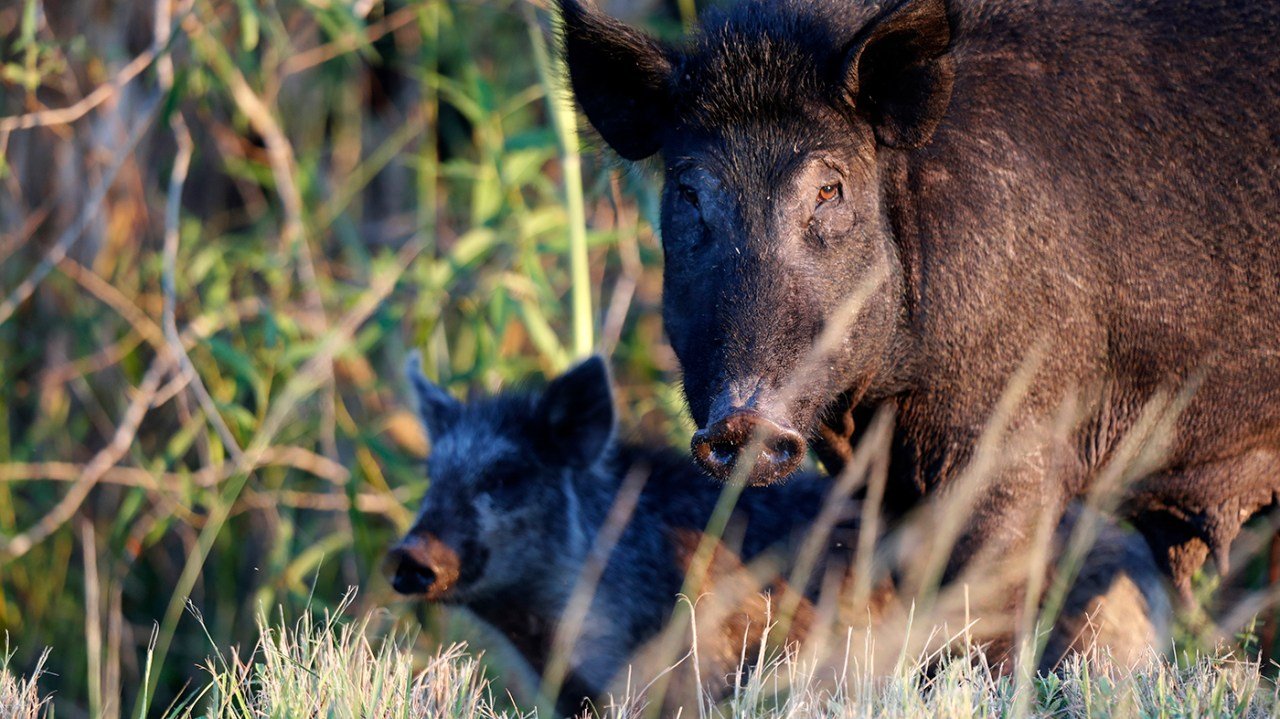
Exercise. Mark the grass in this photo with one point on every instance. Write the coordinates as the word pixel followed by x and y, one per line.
pixel 323 666
pixel 20 697
pixel 327 667
pixel 330 665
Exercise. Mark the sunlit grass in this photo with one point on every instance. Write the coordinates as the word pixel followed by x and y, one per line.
pixel 344 668
pixel 330 666
pixel 20 697
pixel 326 665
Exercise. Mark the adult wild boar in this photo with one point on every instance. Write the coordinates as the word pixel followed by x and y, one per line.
pixel 942 191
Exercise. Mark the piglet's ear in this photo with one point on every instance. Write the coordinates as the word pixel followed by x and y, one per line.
pixel 577 411
pixel 437 409
pixel 620 76
pixel 898 73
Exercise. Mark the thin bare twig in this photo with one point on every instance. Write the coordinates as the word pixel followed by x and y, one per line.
pixel 69 236
pixel 99 287
pixel 27 231
pixel 100 94
pixel 103 461
pixel 172 236
pixel 309 378
pixel 311 57
pixel 196 330
pixel 277 456
pixel 293 237
pixel 279 153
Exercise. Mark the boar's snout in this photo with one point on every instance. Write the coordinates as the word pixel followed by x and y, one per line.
pixel 778 450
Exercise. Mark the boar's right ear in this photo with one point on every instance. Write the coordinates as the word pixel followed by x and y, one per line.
pixel 899 73
pixel 577 411
pixel 620 77
pixel 437 409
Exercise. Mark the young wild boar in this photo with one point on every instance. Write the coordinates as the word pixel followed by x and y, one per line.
pixel 521 484
pixel 912 203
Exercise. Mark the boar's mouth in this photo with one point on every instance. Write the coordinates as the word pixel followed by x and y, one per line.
pixel 834 436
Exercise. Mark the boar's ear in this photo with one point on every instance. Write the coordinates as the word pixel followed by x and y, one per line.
pixel 437 409
pixel 620 77
pixel 577 412
pixel 898 73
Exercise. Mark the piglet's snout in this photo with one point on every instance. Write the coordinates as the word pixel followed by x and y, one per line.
pixel 422 564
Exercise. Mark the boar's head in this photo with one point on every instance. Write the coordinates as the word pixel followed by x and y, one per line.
pixel 778 124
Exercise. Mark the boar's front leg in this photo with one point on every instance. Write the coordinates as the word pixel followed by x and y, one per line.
pixel 1192 513
pixel 596 660
pixel 978 534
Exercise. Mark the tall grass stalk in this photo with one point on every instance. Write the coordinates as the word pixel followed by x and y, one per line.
pixel 552 72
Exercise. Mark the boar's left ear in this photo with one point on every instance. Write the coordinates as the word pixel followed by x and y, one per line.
pixel 577 411
pixel 620 76
pixel 437 409
pixel 897 71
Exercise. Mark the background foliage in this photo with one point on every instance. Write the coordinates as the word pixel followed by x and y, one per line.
pixel 364 178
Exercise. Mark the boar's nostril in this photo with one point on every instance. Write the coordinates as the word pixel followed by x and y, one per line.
pixel 724 452
pixel 714 452
pixel 782 448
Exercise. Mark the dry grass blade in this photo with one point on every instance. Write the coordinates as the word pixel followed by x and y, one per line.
pixel 569 631
pixel 71 113
pixel 327 666
pixel 332 667
pixel 20 696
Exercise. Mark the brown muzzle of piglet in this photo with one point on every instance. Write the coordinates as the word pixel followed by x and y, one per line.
pixel 422 565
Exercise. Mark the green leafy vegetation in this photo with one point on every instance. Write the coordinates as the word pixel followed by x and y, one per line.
pixel 219 241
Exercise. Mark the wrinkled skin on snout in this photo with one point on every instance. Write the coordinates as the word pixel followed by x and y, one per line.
pixel 784 288
pixel 492 523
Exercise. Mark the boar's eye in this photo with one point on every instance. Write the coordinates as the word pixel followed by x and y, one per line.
pixel 689 195
pixel 829 192
pixel 499 477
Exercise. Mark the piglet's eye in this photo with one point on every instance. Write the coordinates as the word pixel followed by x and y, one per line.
pixel 689 194
pixel 827 193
